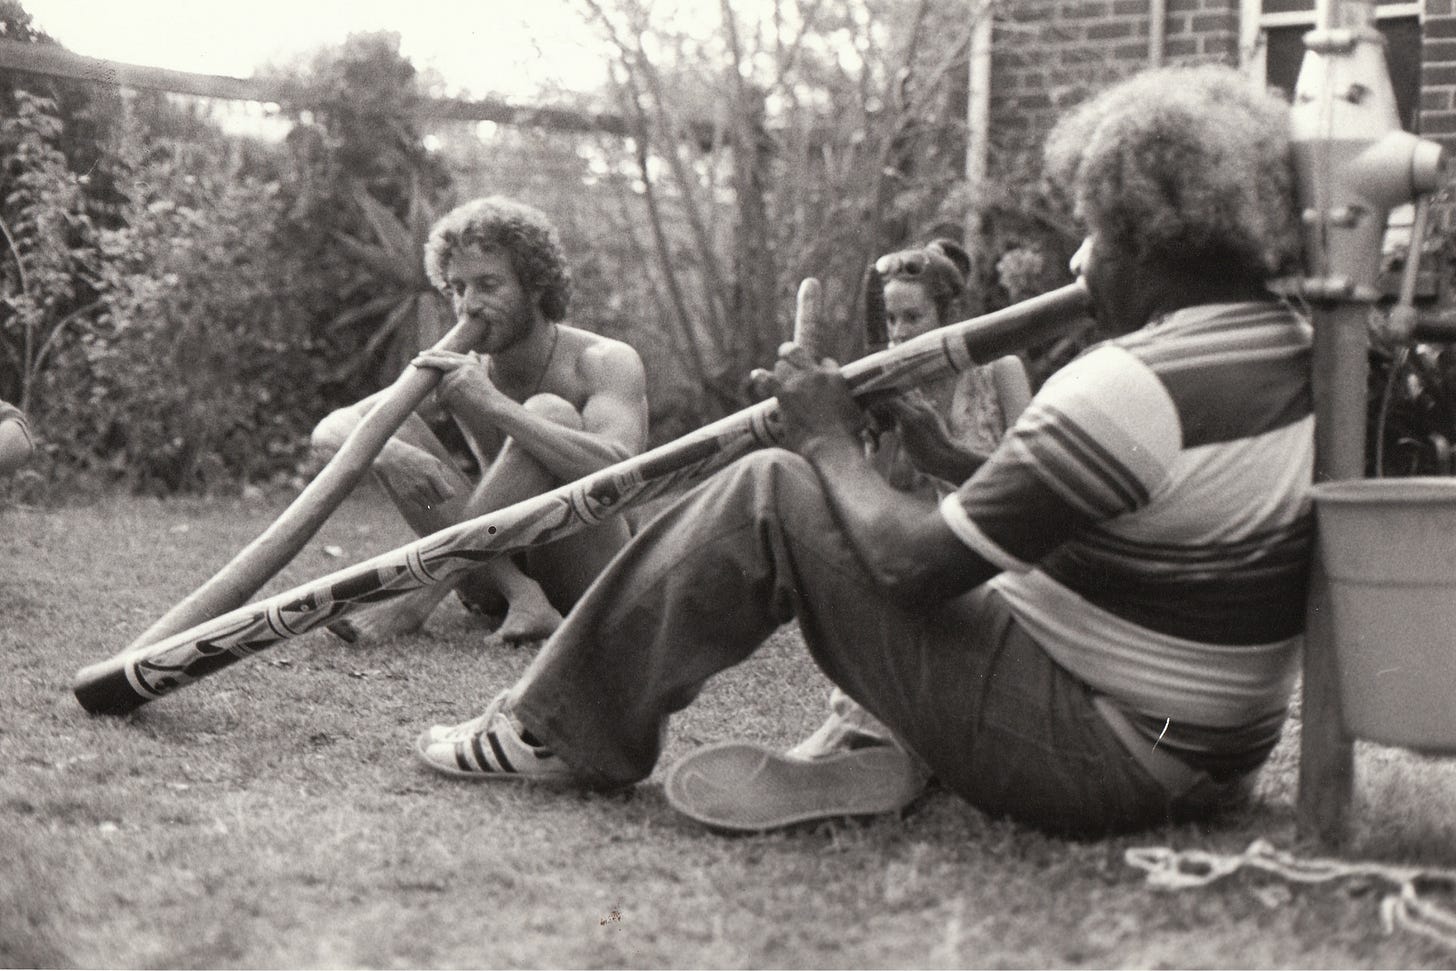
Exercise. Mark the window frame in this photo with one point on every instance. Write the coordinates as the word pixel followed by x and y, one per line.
pixel 1253 21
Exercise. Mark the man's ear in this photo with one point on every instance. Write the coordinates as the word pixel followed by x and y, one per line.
pixel 538 302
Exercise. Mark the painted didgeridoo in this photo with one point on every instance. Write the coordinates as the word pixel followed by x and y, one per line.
pixel 258 562
pixel 142 674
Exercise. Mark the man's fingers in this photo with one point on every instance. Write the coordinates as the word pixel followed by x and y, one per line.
pixel 795 355
pixel 432 490
pixel 810 330
pixel 444 360
pixel 888 408
pixel 762 383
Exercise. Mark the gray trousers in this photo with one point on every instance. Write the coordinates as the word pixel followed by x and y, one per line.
pixel 960 684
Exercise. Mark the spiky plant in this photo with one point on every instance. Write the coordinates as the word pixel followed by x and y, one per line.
pixel 404 312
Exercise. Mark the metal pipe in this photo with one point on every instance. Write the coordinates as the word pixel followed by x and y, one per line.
pixel 978 116
pixel 1157 31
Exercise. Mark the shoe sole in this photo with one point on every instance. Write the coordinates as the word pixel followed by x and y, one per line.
pixel 746 788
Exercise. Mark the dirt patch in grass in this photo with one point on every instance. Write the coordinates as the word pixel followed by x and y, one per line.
pixel 273 816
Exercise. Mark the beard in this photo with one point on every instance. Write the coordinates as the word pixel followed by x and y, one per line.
pixel 505 327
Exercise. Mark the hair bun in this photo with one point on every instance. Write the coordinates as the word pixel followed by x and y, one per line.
pixel 954 252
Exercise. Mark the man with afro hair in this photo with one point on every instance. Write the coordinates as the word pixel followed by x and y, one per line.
pixel 1096 632
pixel 539 402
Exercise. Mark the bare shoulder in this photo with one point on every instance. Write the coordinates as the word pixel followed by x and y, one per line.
pixel 603 360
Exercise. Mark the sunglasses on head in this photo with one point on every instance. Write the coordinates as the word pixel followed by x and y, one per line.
pixel 912 263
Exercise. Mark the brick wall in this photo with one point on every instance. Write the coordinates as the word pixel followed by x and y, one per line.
pixel 1438 73
pixel 1051 54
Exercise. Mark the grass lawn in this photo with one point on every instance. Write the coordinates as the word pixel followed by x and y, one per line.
pixel 273 815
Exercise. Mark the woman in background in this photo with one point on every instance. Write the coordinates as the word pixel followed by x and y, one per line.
pixel 929 439
pixel 935 436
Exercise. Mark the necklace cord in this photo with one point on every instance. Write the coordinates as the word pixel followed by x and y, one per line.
pixel 551 354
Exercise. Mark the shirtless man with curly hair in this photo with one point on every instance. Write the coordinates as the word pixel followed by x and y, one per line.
pixel 540 403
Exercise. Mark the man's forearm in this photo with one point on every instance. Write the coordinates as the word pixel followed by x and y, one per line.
pixel 881 523
pixel 955 464
pixel 567 453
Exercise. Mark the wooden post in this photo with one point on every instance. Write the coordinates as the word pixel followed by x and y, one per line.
pixel 1353 164
pixel 1326 763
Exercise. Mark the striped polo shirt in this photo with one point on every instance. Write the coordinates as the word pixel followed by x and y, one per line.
pixel 1151 512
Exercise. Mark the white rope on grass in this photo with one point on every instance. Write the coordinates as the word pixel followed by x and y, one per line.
pixel 1403 908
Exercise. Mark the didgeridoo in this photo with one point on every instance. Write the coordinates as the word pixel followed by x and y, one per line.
pixel 276 546
pixel 141 674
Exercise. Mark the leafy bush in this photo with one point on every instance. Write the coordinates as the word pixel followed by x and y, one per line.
pixel 1412 411
pixel 52 260
pixel 362 193
pixel 196 374
pixel 404 312
pixel 1411 418
pixel 172 333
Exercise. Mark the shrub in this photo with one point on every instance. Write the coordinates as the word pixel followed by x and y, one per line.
pixel 51 259
pixel 196 375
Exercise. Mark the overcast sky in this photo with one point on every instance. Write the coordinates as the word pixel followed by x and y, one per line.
pixel 505 47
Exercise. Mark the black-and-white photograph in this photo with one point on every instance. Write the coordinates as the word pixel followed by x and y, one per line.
pixel 728 484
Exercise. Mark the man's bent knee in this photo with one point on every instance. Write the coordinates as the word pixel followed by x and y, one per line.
pixel 780 479
pixel 779 463
pixel 554 409
pixel 329 435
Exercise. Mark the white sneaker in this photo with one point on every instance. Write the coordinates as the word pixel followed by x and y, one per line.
pixel 848 727
pixel 489 747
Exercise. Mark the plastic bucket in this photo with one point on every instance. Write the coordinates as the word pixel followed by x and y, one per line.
pixel 1388 547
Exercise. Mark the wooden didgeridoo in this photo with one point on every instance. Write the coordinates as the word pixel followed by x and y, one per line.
pixel 141 674
pixel 277 545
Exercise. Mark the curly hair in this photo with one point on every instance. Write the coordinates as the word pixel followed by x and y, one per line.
pixel 1183 165
pixel 525 234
